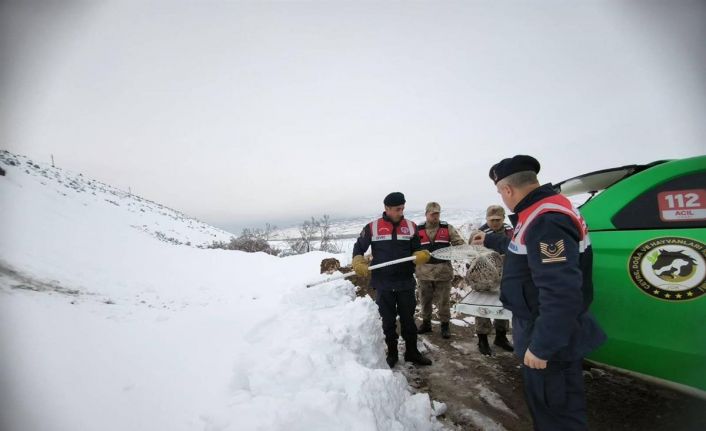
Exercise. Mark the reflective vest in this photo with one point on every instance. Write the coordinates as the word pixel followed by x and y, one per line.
pixel 507 230
pixel 555 203
pixel 441 240
pixel 381 230
pixel 389 242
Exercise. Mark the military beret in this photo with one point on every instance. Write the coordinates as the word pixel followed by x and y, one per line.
pixel 394 199
pixel 510 166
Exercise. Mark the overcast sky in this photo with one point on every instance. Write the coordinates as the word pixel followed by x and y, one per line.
pixel 239 113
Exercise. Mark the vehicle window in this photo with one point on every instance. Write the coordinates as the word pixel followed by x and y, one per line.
pixel 678 203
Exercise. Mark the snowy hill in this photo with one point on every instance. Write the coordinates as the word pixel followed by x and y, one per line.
pixel 111 321
pixel 150 217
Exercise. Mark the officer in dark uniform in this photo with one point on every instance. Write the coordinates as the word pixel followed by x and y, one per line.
pixel 547 285
pixel 393 237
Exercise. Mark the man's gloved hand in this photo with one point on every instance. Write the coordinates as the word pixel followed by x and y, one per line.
pixel 360 266
pixel 422 257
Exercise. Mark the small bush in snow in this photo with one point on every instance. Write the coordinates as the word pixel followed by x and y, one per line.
pixel 250 241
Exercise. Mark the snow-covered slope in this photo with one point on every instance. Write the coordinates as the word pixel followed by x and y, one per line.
pixel 90 196
pixel 104 325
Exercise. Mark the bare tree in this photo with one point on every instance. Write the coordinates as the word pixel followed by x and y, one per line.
pixel 327 239
pixel 324 225
pixel 269 230
pixel 312 230
pixel 307 234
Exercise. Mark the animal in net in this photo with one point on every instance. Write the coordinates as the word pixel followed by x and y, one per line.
pixel 485 270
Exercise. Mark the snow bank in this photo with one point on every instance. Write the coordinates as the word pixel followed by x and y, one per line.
pixel 105 326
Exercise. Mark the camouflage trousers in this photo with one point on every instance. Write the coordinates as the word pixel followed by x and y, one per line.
pixel 484 327
pixel 430 290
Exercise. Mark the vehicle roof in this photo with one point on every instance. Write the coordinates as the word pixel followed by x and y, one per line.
pixel 594 182
pixel 626 183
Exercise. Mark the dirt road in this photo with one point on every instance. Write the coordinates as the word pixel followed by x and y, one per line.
pixel 483 393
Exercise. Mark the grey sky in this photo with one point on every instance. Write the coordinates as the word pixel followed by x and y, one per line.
pixel 238 112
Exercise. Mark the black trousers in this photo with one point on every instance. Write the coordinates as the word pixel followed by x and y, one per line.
pixel 556 396
pixel 394 303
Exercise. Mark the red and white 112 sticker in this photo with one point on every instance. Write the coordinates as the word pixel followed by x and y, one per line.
pixel 682 205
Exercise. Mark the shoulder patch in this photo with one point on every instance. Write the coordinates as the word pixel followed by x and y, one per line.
pixel 552 252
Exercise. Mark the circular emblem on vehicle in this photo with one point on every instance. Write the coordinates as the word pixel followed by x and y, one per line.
pixel 670 268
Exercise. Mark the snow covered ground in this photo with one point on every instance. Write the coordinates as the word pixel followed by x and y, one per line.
pixel 110 321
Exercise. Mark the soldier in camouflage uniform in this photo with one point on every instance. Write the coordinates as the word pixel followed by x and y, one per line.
pixel 495 218
pixel 434 278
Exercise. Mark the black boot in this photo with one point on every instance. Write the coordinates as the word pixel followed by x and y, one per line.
pixel 424 327
pixel 502 341
pixel 392 355
pixel 445 330
pixel 483 345
pixel 413 355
